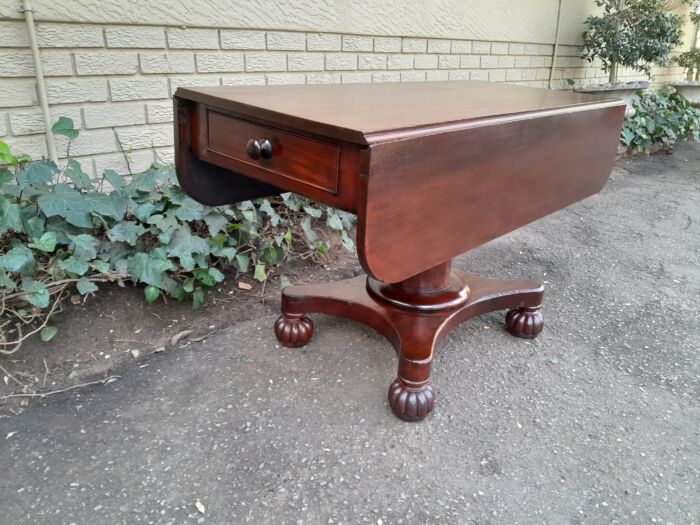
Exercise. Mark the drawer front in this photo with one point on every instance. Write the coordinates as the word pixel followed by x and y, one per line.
pixel 295 157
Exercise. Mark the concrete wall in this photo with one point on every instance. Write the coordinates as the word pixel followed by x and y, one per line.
pixel 113 65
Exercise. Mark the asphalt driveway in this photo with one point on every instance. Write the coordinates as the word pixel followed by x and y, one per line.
pixel 596 421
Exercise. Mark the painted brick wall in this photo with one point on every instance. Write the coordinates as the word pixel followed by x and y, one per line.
pixel 115 82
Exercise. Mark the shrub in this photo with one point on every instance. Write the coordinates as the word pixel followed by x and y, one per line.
pixel 631 33
pixel 61 230
pixel 690 61
pixel 660 120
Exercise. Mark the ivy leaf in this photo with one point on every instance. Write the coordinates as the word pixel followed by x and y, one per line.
pixel 10 217
pixel 18 259
pixel 189 210
pixel 197 298
pixel 227 253
pixel 216 222
pixel 144 211
pixel 85 286
pixel 249 215
pixel 73 265
pixel 163 221
pixel 113 205
pixel 100 266
pixel 115 180
pixel 5 156
pixel 143 181
pixel 149 268
pixel 84 246
pixel 37 294
pixel 205 277
pixel 242 261
pixel 334 222
pixel 64 126
pixel 216 274
pixel 178 293
pixel 183 243
pixel 267 209
pixel 313 212
pixel 47 333
pixel 187 262
pixel 347 242
pixel 271 254
pixel 36 174
pixel 127 231
pixel 67 203
pixel 308 230
pixel 151 293
pixel 34 227
pixel 45 243
pixel 260 274
pixel 5 174
pixel 5 281
pixel 75 173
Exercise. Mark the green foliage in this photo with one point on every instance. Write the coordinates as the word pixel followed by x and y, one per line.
pixel 631 33
pixel 690 61
pixel 694 10
pixel 59 229
pixel 660 120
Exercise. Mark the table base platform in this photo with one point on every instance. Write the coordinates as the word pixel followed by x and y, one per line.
pixel 414 315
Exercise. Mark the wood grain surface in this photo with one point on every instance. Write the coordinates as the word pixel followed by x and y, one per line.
pixel 363 113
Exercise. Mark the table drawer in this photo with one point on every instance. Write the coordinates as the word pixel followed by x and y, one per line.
pixel 293 156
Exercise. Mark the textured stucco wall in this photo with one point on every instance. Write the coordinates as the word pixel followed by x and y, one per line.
pixel 507 20
pixel 112 66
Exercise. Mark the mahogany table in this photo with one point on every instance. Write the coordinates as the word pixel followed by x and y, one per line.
pixel 431 170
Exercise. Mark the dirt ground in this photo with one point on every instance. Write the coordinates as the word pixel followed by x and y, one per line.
pixel 117 328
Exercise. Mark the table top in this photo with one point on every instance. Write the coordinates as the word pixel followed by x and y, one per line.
pixel 355 112
pixel 451 165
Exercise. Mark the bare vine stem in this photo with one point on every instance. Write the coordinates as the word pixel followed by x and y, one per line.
pixel 52 392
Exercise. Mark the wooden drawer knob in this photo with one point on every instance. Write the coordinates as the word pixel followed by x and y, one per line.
pixel 259 148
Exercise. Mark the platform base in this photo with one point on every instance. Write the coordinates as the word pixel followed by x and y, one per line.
pixel 413 330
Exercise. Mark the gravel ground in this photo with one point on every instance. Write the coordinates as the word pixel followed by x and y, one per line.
pixel 596 421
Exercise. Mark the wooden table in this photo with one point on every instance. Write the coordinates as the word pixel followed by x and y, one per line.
pixel 431 170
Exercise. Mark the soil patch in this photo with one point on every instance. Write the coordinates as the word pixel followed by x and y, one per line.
pixel 117 328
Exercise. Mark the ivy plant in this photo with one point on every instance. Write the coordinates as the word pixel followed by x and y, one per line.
pixel 61 230
pixel 660 120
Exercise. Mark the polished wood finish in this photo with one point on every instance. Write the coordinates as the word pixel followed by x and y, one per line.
pixel 435 289
pixel 303 159
pixel 208 183
pixel 500 177
pixel 372 113
pixel 431 170
pixel 413 333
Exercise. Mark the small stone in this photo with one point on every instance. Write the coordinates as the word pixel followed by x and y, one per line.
pixel 135 353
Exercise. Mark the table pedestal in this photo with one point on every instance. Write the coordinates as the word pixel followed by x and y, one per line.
pixel 414 315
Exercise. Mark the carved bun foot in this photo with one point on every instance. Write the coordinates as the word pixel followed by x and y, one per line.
pixel 293 330
pixel 525 322
pixel 408 404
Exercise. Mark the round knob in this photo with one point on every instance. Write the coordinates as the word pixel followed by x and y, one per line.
pixel 260 148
